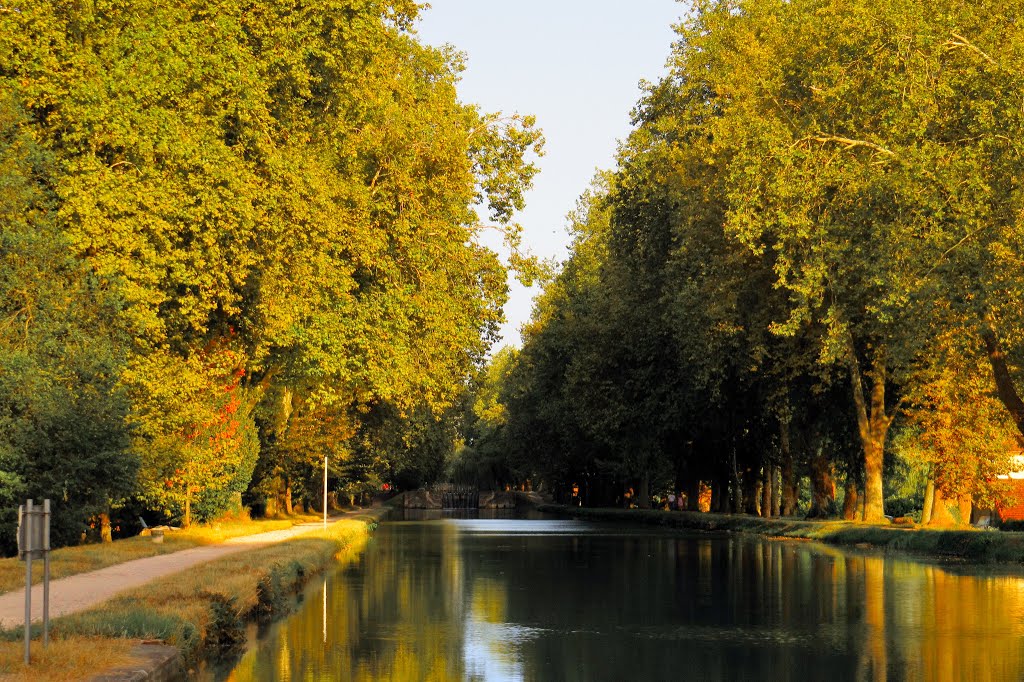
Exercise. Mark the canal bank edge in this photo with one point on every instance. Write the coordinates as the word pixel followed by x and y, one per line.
pixel 971 545
pixel 149 662
pixel 156 661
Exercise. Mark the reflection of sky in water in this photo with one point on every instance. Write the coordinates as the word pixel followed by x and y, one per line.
pixel 492 650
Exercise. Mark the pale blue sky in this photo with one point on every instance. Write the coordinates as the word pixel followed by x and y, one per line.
pixel 576 65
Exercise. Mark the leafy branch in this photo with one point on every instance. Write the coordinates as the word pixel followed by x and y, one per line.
pixel 846 142
pixel 960 42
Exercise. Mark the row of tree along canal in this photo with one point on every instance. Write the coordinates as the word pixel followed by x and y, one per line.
pixel 800 287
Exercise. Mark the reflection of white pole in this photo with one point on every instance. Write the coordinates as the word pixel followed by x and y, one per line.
pixel 325 609
pixel 325 492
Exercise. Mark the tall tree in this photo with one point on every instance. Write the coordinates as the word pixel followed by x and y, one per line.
pixel 857 158
pixel 62 416
pixel 294 185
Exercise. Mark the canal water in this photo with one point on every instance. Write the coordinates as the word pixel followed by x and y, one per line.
pixel 544 599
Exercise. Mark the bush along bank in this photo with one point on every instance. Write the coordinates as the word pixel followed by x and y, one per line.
pixel 977 546
pixel 203 611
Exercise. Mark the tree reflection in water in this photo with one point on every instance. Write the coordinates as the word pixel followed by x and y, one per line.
pixel 450 600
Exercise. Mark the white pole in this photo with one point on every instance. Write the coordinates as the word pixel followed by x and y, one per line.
pixel 325 492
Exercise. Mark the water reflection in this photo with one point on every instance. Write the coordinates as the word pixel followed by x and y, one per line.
pixel 469 599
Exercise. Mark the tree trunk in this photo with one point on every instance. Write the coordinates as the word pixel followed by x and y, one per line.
pixel 693 495
pixel 737 487
pixel 644 496
pixel 187 522
pixel 850 501
pixel 751 494
pixel 789 491
pixel 874 505
pixel 873 425
pixel 929 502
pixel 287 407
pixel 718 496
pixel 941 518
pixel 105 534
pixel 1005 389
pixel 966 504
pixel 790 494
pixel 776 492
pixel 767 487
pixel 823 486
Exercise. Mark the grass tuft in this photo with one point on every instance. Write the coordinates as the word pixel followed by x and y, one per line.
pixel 226 633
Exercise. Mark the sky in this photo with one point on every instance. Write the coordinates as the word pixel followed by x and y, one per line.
pixel 574 64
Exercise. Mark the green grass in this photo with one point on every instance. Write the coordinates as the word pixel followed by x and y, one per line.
pixel 202 611
pixel 84 558
pixel 973 545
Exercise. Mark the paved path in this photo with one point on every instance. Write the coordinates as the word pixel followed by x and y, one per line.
pixel 82 591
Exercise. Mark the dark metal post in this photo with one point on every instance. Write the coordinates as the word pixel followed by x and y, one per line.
pixel 46 573
pixel 27 547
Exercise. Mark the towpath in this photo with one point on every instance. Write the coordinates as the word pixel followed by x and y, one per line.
pixel 79 592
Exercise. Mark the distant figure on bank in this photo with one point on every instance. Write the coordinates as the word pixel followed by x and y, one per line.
pixel 680 504
pixel 671 501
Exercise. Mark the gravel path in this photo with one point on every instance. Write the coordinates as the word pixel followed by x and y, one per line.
pixel 82 591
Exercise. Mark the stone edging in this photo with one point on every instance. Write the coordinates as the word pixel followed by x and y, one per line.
pixel 150 662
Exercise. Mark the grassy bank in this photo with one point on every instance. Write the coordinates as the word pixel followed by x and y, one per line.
pixel 968 544
pixel 201 611
pixel 84 558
